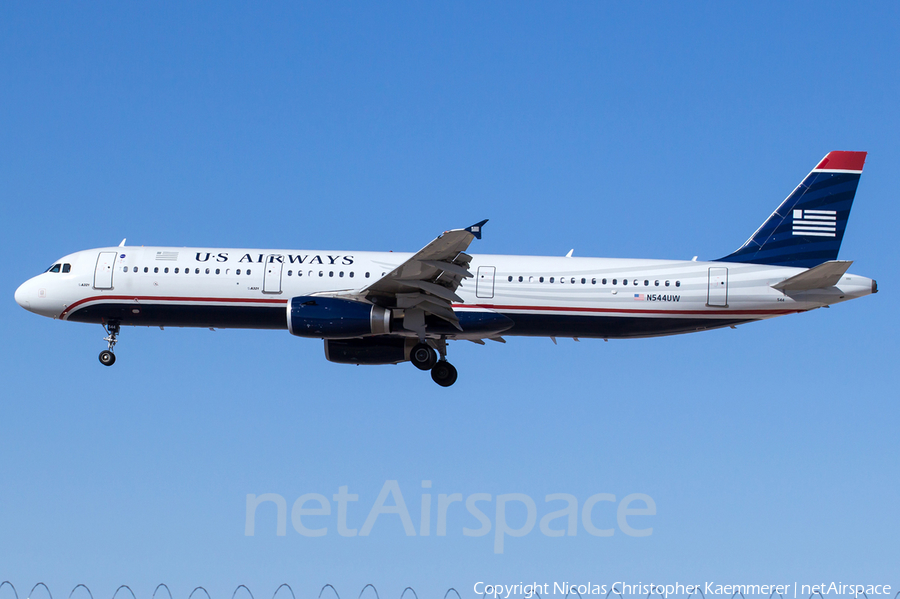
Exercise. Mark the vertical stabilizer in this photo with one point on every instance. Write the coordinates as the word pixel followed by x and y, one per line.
pixel 808 227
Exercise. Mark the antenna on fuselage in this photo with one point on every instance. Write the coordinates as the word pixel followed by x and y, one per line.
pixel 569 255
pixel 121 245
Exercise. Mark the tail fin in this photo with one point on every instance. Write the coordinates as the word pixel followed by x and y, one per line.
pixel 807 228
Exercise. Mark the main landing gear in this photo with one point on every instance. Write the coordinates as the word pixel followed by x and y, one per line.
pixel 107 357
pixel 424 357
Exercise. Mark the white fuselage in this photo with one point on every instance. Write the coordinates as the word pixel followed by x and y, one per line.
pixel 545 296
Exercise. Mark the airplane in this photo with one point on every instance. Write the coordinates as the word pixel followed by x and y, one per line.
pixel 388 308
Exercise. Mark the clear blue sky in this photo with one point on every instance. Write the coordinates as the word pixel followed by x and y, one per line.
pixel 659 130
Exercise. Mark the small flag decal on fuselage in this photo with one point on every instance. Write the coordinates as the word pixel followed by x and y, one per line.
pixel 639 296
pixel 169 256
pixel 818 223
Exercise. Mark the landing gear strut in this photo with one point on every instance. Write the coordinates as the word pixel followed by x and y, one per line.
pixel 107 357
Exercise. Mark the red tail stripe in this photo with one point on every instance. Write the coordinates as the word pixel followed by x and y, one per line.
pixel 843 161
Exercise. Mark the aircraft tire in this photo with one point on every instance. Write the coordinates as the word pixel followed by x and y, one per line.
pixel 107 358
pixel 423 356
pixel 444 373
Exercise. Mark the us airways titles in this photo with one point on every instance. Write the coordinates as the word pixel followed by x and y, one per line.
pixel 291 258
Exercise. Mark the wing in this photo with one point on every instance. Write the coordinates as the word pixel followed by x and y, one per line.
pixel 427 282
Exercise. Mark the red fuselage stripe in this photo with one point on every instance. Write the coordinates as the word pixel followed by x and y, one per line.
pixel 498 307
pixel 501 308
pixel 140 298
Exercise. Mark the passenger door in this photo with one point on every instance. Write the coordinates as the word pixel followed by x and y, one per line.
pixel 484 282
pixel 272 276
pixel 717 296
pixel 103 272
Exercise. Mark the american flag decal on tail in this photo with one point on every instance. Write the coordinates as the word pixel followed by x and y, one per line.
pixel 818 223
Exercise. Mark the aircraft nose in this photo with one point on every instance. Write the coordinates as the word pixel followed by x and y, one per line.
pixel 22 296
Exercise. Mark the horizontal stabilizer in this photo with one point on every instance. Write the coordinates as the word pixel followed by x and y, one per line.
pixel 822 276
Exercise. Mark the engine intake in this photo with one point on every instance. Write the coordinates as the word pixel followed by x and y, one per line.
pixel 334 318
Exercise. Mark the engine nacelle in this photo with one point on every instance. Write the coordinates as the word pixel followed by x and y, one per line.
pixel 380 350
pixel 334 318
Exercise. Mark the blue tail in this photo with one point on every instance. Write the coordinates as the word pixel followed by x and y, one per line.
pixel 808 227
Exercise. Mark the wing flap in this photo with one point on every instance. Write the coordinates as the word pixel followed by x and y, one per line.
pixel 429 279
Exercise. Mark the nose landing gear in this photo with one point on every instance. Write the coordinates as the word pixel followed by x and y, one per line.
pixel 107 357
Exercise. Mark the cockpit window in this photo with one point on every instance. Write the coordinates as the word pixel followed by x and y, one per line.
pixel 67 268
pixel 54 268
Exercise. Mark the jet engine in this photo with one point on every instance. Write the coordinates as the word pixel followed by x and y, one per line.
pixel 381 350
pixel 334 318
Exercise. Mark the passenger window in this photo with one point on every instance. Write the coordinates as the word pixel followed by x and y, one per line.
pixel 541 279
pixel 218 271
pixel 238 271
pixel 603 281
pixel 290 272
pixel 167 270
pixel 624 281
pixel 583 281
pixel 635 281
pixel 155 269
pixel 656 283
pixel 351 274
pixel 678 283
pixel 509 278
pixel 330 273
pixel 321 273
pixel 367 275
pixel 615 281
pixel 573 280
pixel 341 274
pixel 67 268
pixel 197 271
pixel 248 271
pixel 176 270
pixel 207 271
pixel 520 279
pixel 551 279
pixel 667 283
pixel 646 283
pixel 124 269
pixel 593 281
